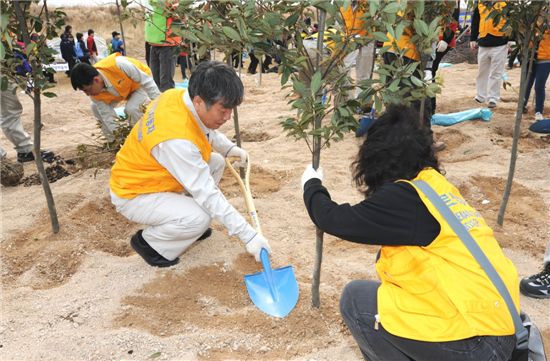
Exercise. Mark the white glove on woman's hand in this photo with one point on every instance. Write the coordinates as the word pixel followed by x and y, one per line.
pixel 255 245
pixel 441 46
pixel 238 152
pixel 310 173
pixel 428 76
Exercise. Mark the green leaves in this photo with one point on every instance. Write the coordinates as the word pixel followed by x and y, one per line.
pixel 316 82
pixel 231 33
pixel 391 8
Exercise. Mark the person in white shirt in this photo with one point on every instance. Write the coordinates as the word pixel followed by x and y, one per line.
pixel 112 80
pixel 166 174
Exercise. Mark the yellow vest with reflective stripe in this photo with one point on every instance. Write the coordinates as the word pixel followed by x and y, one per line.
pixel 353 20
pixel 439 292
pixel 404 42
pixel 136 171
pixel 486 26
pixel 122 83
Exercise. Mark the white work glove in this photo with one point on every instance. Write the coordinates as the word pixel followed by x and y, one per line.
pixel 255 245
pixel 441 46
pixel 238 152
pixel 310 173
pixel 473 44
pixel 428 75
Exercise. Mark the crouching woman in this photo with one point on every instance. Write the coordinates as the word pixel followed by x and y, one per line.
pixel 433 300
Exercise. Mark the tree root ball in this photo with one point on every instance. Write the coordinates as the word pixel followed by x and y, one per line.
pixel 11 173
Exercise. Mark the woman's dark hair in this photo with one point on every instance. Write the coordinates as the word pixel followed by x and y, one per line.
pixel 397 146
pixel 79 36
pixel 68 28
pixel 215 81
pixel 82 74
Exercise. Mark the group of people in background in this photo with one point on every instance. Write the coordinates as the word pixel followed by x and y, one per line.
pixel 85 51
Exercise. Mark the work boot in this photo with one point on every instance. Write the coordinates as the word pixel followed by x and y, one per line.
pixel 46 155
pixel 538 285
pixel 206 234
pixel 152 257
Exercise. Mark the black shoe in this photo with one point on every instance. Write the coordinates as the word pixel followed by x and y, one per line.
pixel 148 253
pixel 537 286
pixel 46 155
pixel 206 234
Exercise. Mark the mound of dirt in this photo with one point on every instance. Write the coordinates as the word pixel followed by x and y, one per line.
pixel 11 173
pixel 213 297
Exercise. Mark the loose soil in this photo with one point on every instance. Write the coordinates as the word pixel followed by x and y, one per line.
pixel 83 294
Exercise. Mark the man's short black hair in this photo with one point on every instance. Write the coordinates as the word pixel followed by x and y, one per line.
pixel 90 31
pixel 214 82
pixel 83 74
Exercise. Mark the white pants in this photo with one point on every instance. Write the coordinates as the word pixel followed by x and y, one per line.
pixel 363 60
pixel 491 62
pixel 175 220
pixel 10 121
pixel 132 110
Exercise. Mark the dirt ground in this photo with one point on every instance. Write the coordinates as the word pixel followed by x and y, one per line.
pixel 83 294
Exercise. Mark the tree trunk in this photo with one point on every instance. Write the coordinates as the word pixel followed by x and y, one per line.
pixel 315 297
pixel 121 28
pixel 38 159
pixel 36 69
pixel 236 122
pixel 526 70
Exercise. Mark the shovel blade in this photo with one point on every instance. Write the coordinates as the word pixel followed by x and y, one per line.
pixel 274 291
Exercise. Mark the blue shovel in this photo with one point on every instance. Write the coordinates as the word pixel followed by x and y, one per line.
pixel 274 291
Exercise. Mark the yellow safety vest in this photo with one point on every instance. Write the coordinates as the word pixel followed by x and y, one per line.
pixel 122 83
pixel 353 21
pixel 486 26
pixel 136 171
pixel 544 47
pixel 439 292
pixel 404 42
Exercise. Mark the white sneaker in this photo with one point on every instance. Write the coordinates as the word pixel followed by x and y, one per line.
pixel 538 116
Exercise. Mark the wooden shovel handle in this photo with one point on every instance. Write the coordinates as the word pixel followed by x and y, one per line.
pixel 245 189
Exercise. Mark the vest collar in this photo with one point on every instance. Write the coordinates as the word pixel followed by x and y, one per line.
pixel 189 103
pixel 108 86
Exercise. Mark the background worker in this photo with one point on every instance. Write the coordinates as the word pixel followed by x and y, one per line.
pixel 166 175
pixel 539 75
pixel 362 58
pixel 10 122
pixel 492 53
pixel 411 54
pixel 433 300
pixel 117 45
pixel 66 46
pixel 111 80
pixel 538 285
pixel 164 46
pixel 10 114
pixel 92 46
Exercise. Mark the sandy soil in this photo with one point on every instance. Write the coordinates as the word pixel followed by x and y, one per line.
pixel 83 294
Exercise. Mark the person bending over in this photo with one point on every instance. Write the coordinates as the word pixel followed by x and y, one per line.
pixel 112 80
pixel 166 174
pixel 432 300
